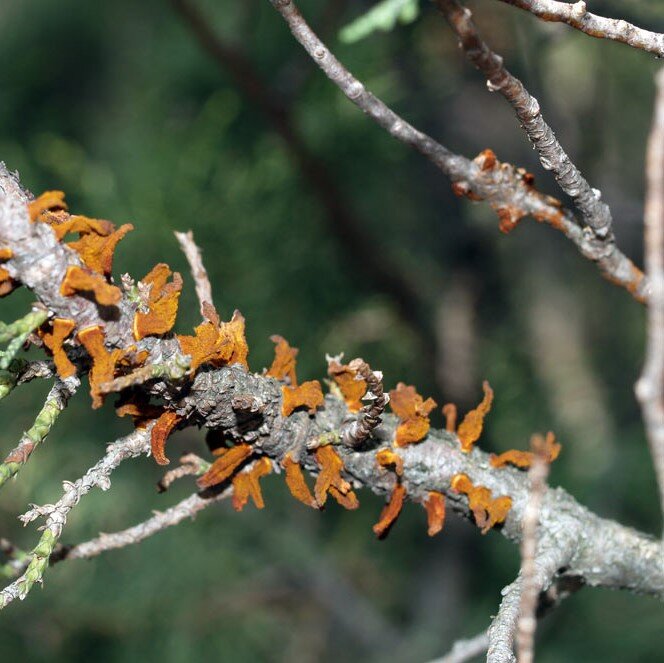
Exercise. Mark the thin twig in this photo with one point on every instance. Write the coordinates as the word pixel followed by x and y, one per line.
pixel 577 16
pixel 187 508
pixel 56 515
pixel 56 402
pixel 190 465
pixel 594 212
pixel 193 254
pixel 530 589
pixel 504 188
pixel 464 650
pixel 650 387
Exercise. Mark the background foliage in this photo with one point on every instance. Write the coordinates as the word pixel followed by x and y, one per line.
pixel 117 104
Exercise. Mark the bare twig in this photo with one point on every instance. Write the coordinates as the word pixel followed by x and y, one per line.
pixel 650 387
pixel 577 16
pixel 552 555
pixel 56 515
pixel 187 508
pixel 527 623
pixel 594 212
pixel 193 254
pixel 190 465
pixel 464 650
pixel 56 402
pixel 504 187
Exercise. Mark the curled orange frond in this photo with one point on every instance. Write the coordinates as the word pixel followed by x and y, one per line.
pixel 413 411
pixel 54 339
pixel 351 388
pixel 296 483
pixel 486 510
pixel 390 460
pixel 284 363
pixel 48 200
pixel 435 508
pixel 7 283
pixel 162 303
pixel 390 512
pixel 6 253
pixel 450 414
pixel 546 447
pixel 330 481
pixel 308 394
pixel 96 251
pixel 470 428
pixel 224 467
pixel 79 280
pixel 218 344
pixel 246 484
pixel 163 427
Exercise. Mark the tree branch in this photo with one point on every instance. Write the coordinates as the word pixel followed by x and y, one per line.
pixel 464 650
pixel 505 188
pixel 198 271
pixel 577 16
pixel 650 387
pixel 56 515
pixel 595 213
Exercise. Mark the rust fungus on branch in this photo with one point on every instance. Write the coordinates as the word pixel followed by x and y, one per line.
pixel 224 467
pixel 246 484
pixel 470 428
pixel 7 283
pixel 162 302
pixel 352 386
pixel 104 363
pixel 217 343
pixel 161 431
pixel 78 280
pixel 330 481
pixel 487 511
pixel 492 176
pixel 284 363
pixel 390 512
pixel 96 250
pixel 435 508
pixel 413 411
pixel 308 395
pixel 53 339
pixel 545 447
pixel 49 200
pixel 390 460
pixel 296 482
pixel 450 414
pixel 137 406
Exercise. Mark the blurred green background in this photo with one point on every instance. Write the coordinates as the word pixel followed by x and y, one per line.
pixel 120 105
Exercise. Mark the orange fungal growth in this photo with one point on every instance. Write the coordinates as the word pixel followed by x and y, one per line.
pixel 283 365
pixel 547 448
pixel 224 467
pixel 6 253
pixel 435 508
pixel 450 414
pixel 7 283
pixel 295 482
pixel 470 428
pixel 162 303
pixel 79 280
pixel 487 511
pixel 351 388
pixel 138 407
pixel 308 394
pixel 63 224
pixel 390 460
pixel 246 484
pixel 96 251
pixel 49 200
pixel 53 340
pixel 218 344
pixel 161 430
pixel 330 481
pixel 390 512
pixel 413 412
